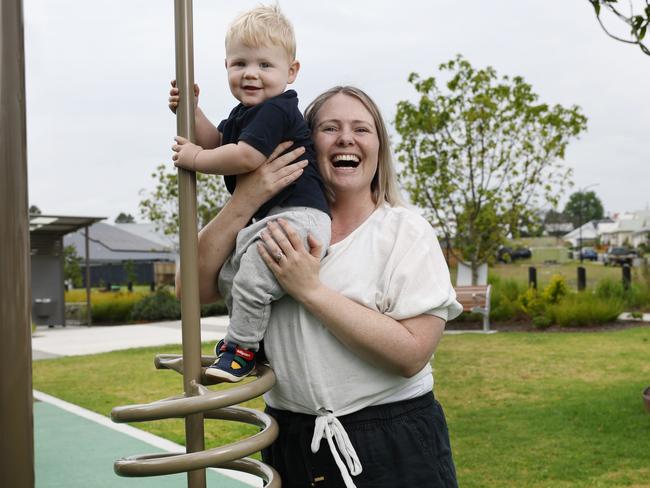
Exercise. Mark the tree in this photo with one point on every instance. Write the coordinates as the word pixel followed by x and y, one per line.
pixel 481 156
pixel 34 210
pixel 72 266
pixel 161 205
pixel 583 207
pixel 129 270
pixel 637 20
pixel 124 218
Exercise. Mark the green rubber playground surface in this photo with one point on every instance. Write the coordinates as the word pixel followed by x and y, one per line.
pixel 74 452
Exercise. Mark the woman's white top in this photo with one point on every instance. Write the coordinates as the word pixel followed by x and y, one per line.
pixel 391 263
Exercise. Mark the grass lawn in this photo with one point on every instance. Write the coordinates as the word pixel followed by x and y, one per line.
pixel 524 409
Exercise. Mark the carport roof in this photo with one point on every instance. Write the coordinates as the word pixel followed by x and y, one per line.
pixel 59 224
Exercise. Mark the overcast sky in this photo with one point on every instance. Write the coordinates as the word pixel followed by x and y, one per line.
pixel 98 78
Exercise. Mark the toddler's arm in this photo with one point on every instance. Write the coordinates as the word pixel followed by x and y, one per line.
pixel 229 159
pixel 207 135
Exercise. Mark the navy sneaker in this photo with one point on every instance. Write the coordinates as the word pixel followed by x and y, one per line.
pixel 233 363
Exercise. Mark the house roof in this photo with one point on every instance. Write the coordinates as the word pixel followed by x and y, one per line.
pixel 109 243
pixel 59 225
pixel 586 231
pixel 148 230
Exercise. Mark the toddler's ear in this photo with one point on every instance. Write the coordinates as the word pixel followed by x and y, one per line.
pixel 293 71
pixel 225 63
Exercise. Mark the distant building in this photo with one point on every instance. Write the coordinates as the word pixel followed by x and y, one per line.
pixel 116 248
pixel 586 235
pixel 46 234
pixel 625 229
pixel 630 228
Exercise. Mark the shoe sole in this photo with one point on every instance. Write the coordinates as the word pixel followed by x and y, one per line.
pixel 225 376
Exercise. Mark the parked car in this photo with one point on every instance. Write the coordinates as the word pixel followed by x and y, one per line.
pixel 508 254
pixel 619 255
pixel 588 254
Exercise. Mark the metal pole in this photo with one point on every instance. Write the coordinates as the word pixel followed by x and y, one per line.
pixel 190 307
pixel 16 418
pixel 89 315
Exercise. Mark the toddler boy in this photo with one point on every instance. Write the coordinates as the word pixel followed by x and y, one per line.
pixel 260 61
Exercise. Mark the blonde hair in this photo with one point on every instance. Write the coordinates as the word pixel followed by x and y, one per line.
pixel 384 185
pixel 265 25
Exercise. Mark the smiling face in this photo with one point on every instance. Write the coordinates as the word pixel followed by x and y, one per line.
pixel 347 146
pixel 256 74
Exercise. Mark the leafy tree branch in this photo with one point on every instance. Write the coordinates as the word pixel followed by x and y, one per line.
pixel 637 20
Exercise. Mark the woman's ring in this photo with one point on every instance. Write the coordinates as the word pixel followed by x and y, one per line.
pixel 279 256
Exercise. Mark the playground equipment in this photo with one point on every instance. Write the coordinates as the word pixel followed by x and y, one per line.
pixel 198 402
pixel 16 441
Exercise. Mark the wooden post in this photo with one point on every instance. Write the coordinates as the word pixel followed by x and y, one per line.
pixel 582 278
pixel 532 277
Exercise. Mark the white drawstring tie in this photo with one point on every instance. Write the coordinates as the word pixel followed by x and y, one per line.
pixel 328 424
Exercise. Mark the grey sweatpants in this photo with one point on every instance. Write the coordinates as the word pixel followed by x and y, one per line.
pixel 246 283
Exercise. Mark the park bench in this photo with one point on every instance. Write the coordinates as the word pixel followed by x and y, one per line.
pixel 475 299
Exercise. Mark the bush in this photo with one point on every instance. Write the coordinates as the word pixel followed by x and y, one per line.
pixel 532 304
pixel 113 308
pixel 585 309
pixel 555 290
pixel 542 321
pixel 216 308
pixel 161 305
pixel 637 297
pixel 504 299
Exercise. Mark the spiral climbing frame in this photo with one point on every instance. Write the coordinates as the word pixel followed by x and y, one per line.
pixel 198 402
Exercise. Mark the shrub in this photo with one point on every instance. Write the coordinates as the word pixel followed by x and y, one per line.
pixel 542 321
pixel 216 308
pixel 555 290
pixel 504 298
pixel 531 302
pixel 113 307
pixel 636 297
pixel 161 305
pixel 585 309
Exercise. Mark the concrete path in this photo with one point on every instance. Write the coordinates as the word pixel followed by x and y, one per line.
pixel 79 340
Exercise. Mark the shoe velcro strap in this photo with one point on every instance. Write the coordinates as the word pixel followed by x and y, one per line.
pixel 247 355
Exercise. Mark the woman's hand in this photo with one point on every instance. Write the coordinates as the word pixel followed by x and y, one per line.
pixel 257 187
pixel 295 268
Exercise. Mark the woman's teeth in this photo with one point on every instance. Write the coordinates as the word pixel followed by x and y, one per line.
pixel 345 161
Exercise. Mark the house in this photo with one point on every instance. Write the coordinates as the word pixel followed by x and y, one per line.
pixel 585 235
pixel 121 253
pixel 629 229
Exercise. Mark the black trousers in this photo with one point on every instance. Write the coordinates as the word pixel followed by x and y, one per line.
pixel 403 444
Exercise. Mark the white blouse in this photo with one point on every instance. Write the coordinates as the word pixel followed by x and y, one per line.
pixel 392 263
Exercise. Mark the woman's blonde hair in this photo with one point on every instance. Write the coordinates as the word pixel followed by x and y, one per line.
pixel 384 184
pixel 265 26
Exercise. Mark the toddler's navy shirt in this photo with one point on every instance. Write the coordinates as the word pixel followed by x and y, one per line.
pixel 266 125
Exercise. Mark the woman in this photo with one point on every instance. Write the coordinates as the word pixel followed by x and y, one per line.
pixel 352 340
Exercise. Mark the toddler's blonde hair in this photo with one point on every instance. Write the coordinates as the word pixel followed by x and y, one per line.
pixel 265 25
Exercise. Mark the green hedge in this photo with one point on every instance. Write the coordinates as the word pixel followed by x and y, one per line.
pixel 556 304
pixel 124 308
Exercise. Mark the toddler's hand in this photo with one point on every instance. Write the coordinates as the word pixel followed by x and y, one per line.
pixel 185 153
pixel 174 96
